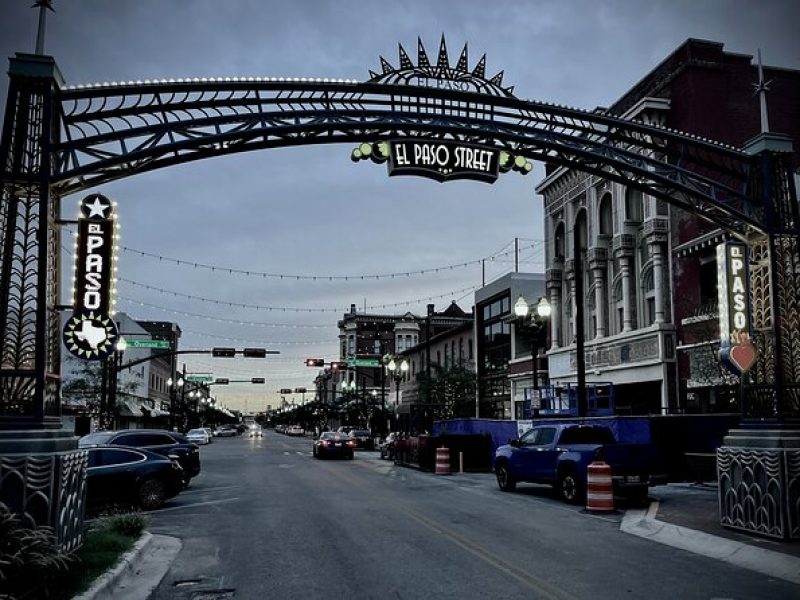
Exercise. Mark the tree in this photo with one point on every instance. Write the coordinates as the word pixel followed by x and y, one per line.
pixel 452 390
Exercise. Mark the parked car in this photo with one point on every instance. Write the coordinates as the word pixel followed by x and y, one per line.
pixel 295 430
pixel 210 433
pixel 333 443
pixel 363 438
pixel 122 475
pixel 167 443
pixel 559 455
pixel 225 431
pixel 198 436
pixel 280 428
pixel 386 445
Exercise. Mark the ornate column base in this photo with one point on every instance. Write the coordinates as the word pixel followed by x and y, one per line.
pixel 759 482
pixel 43 479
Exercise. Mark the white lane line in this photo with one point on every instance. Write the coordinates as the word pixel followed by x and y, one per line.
pixel 300 453
pixel 194 490
pixel 194 504
pixel 286 454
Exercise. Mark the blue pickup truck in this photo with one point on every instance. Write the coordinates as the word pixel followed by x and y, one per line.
pixel 558 454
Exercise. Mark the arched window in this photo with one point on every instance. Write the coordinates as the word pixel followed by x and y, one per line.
pixel 460 350
pixel 633 205
pixel 581 230
pixel 619 306
pixel 649 295
pixel 604 213
pixel 559 241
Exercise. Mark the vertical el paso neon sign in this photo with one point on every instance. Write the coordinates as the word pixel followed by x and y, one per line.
pixel 91 333
pixel 733 275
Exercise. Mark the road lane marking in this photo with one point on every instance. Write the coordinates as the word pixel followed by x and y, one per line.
pixel 545 588
pixel 540 585
pixel 193 505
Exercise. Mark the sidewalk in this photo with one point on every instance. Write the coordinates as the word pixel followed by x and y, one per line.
pixel 685 516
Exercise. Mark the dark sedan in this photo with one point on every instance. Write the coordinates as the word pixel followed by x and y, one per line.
pixel 130 476
pixel 331 443
pixel 169 444
pixel 363 439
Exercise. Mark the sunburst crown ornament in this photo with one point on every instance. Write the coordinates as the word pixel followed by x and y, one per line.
pixel 441 75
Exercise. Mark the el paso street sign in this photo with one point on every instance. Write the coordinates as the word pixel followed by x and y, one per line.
pixel 443 160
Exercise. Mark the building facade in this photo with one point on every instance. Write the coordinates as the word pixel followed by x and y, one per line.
pixel 502 372
pixel 649 269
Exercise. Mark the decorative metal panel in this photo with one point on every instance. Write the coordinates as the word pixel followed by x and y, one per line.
pixel 47 490
pixel 753 490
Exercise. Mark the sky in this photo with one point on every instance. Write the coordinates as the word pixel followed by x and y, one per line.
pixel 311 211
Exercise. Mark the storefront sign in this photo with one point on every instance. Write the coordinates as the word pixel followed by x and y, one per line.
pixel 91 333
pixel 443 159
pixel 733 275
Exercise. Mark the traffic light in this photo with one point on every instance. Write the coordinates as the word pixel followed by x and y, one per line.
pixel 222 381
pixel 315 362
pixel 338 365
pixel 299 390
pixel 257 380
pixel 223 352
pixel 285 391
pixel 255 353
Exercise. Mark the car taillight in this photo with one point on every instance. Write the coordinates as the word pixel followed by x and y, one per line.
pixel 351 442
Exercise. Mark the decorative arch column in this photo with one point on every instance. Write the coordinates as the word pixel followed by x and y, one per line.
pixel 624 246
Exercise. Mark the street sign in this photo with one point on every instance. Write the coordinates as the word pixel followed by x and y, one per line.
pixel 363 362
pixel 162 344
pixel 200 377
pixel 257 380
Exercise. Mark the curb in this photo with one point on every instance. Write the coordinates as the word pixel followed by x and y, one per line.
pixel 126 563
pixel 643 523
pixel 138 572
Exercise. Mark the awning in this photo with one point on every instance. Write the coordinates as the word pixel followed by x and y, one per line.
pixel 130 408
pixel 157 412
pixel 707 240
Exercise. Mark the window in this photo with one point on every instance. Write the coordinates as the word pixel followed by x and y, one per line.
pixel 528 438
pixel 633 205
pixel 110 456
pixel 376 349
pixel 460 350
pixel 453 353
pixel 559 241
pixel 469 346
pixel 606 222
pixel 649 298
pixel 438 357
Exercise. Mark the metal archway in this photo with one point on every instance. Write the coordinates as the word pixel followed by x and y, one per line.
pixel 59 140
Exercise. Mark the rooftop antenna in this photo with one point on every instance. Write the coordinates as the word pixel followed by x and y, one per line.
pixel 44 6
pixel 762 87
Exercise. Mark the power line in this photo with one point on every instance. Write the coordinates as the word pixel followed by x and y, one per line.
pixel 299 277
pixel 286 308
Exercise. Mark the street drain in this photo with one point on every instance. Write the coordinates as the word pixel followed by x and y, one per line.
pixel 213 595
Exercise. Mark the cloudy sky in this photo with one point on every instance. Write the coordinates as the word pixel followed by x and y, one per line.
pixel 311 211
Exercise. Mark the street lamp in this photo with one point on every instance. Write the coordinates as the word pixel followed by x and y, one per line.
pixel 116 364
pixel 537 324
pixel 398 371
pixel 173 393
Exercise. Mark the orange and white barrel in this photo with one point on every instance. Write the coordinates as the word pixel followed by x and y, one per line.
pixel 443 461
pixel 599 488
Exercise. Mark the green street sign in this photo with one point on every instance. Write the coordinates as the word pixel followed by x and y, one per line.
pixel 363 362
pixel 161 344
pixel 200 378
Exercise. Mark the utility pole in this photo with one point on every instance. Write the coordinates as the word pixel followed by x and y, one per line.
pixel 428 354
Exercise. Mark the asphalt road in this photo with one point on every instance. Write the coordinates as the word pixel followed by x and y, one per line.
pixel 267 520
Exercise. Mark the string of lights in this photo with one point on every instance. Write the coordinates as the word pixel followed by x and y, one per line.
pixel 301 277
pixel 286 308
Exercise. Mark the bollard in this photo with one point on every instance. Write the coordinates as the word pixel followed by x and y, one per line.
pixel 599 488
pixel 460 462
pixel 443 461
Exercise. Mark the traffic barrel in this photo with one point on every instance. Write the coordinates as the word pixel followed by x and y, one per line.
pixel 599 487
pixel 443 461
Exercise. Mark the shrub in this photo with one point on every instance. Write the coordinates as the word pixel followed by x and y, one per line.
pixel 28 555
pixel 131 524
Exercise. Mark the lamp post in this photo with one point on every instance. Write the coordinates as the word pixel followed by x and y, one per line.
pixel 537 325
pixel 173 386
pixel 398 370
pixel 116 363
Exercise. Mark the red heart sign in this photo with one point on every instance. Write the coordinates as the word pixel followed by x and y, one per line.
pixel 743 356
